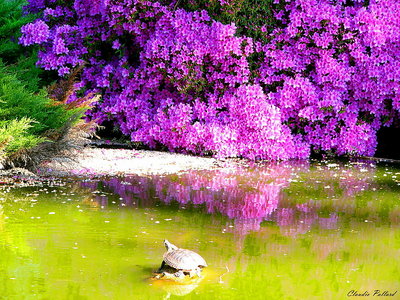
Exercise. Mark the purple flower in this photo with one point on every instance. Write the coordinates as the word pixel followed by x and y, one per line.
pixel 326 79
pixel 34 33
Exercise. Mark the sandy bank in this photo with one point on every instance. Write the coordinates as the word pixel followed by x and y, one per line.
pixel 101 162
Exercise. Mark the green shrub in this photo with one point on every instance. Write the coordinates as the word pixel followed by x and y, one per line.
pixel 11 20
pixel 14 136
pixel 20 60
pixel 17 102
pixel 26 118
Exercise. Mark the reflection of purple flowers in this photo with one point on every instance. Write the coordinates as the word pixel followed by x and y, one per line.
pixel 301 218
pixel 248 195
pixel 330 222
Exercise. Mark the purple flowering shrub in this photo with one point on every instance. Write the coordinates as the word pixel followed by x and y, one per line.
pixel 335 69
pixel 324 78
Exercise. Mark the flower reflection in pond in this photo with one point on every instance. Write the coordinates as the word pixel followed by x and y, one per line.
pixel 252 194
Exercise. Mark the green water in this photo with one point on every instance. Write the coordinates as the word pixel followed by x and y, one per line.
pixel 283 231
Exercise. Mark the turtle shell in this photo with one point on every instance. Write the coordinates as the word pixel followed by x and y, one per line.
pixel 183 259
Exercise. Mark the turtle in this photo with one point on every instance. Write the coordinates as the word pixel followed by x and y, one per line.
pixel 181 262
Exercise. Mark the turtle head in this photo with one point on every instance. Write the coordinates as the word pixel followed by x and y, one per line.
pixel 169 246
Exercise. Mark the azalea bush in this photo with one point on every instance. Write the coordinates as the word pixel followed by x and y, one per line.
pixel 228 78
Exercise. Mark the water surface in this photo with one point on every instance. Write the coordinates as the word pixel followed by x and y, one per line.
pixel 276 231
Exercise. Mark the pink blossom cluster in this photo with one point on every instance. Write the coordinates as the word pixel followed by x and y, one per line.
pixel 35 33
pixel 326 78
pixel 333 70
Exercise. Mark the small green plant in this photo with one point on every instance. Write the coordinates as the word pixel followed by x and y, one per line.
pixel 28 119
pixel 18 102
pixel 11 20
pixel 36 126
pixel 14 136
pixel 19 60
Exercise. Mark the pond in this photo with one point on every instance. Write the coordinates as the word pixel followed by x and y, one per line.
pixel 304 230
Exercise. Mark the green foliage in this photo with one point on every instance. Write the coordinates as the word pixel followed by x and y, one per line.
pixel 20 60
pixel 26 71
pixel 248 15
pixel 19 102
pixel 25 117
pixel 11 20
pixel 14 136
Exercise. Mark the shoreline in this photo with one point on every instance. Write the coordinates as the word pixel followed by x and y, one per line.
pixel 99 162
pixel 92 162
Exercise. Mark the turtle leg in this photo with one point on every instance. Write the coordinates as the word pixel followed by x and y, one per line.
pixel 162 267
pixel 198 272
pixel 192 273
pixel 166 275
pixel 179 274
